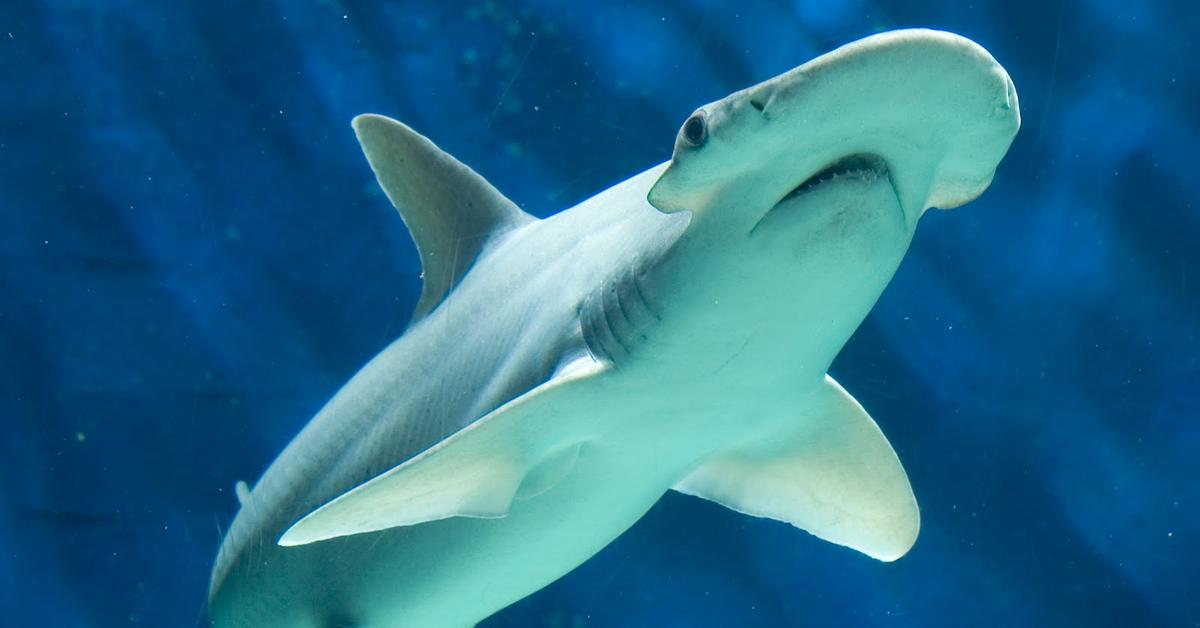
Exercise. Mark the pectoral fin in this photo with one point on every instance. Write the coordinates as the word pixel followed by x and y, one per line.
pixel 474 473
pixel 837 478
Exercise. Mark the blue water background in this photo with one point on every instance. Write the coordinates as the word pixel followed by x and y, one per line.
pixel 194 256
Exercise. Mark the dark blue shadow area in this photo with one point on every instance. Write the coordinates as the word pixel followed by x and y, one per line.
pixel 194 256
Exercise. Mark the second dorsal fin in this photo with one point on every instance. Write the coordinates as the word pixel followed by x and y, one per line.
pixel 450 210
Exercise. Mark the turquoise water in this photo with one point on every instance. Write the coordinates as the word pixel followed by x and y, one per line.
pixel 195 256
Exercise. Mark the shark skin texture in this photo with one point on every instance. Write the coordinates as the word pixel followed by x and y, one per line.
pixel 670 333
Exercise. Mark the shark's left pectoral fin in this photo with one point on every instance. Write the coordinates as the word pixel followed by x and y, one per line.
pixel 838 478
pixel 477 472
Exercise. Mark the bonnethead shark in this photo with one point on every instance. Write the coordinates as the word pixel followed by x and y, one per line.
pixel 670 333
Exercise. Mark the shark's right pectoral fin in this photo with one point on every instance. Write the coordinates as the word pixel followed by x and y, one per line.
pixel 838 478
pixel 477 472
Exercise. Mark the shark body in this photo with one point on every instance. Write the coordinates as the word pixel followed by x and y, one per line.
pixel 672 332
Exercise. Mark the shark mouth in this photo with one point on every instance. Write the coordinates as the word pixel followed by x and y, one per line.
pixel 865 167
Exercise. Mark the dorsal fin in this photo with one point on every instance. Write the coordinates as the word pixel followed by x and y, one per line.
pixel 449 209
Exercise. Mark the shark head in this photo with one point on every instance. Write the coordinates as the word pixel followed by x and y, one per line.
pixel 927 113
pixel 804 191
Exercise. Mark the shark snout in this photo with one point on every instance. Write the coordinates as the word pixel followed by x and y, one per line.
pixel 981 138
pixel 936 107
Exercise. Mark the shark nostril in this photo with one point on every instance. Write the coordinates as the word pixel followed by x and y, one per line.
pixel 757 104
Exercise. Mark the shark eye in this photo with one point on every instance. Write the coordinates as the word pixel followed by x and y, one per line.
pixel 694 132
